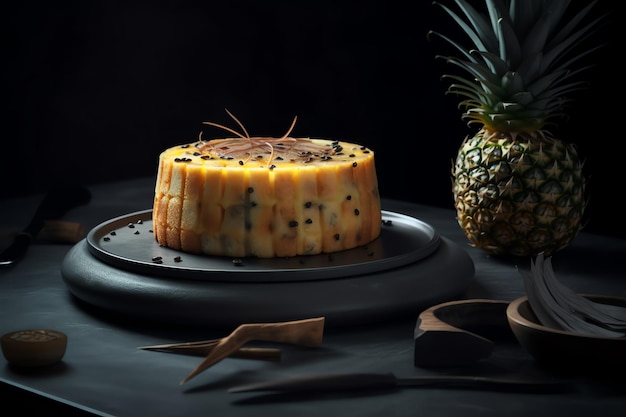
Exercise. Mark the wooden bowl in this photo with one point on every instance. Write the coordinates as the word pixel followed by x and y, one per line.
pixel 563 350
pixel 33 347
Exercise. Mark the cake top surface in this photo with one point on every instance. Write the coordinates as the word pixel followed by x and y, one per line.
pixel 267 152
pixel 270 152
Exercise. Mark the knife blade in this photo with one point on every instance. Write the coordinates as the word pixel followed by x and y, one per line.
pixel 56 202
pixel 365 381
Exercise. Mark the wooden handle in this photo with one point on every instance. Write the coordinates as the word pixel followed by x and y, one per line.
pixel 447 334
pixel 61 231
pixel 203 348
pixel 258 353
pixel 308 332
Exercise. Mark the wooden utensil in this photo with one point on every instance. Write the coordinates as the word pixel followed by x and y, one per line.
pixel 458 333
pixel 55 204
pixel 308 332
pixel 204 347
pixel 383 381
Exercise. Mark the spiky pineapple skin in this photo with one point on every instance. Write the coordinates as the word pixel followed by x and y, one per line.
pixel 518 194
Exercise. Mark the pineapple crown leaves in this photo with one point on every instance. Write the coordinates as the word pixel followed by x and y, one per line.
pixel 521 62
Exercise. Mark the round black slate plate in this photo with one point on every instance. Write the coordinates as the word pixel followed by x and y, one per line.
pixel 398 292
pixel 127 242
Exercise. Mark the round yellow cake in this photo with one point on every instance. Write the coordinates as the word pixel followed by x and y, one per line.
pixel 266 197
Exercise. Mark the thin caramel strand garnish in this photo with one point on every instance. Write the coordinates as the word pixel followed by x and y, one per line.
pixel 229 146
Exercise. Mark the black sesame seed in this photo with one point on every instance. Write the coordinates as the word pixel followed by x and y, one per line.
pixel 349 197
pixel 354 164
pixel 293 223
pixel 308 221
pixel 131 226
pixel 113 233
pixel 178 259
pixel 250 190
pixel 106 238
pixel 157 258
pixel 357 212
pixel 137 232
pixel 308 204
pixel 237 262
pixel 139 221
pixel 337 236
pixel 272 166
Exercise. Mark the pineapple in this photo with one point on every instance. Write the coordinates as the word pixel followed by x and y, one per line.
pixel 518 189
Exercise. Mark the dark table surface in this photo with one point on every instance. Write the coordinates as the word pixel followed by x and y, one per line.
pixel 103 372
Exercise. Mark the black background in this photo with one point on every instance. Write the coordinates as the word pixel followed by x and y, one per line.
pixel 95 90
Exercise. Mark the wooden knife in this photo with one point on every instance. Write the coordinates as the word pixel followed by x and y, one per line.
pixel 57 202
